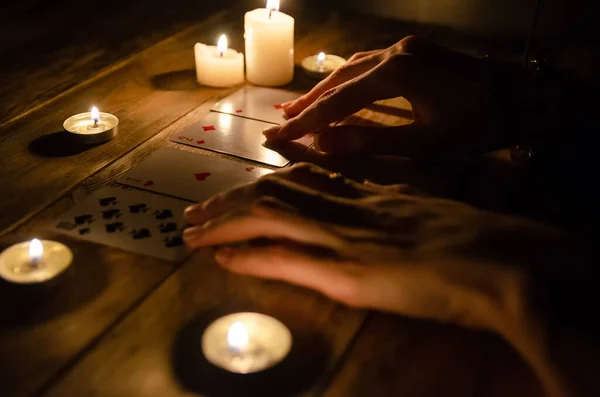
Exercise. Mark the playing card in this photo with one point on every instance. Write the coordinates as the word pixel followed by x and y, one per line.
pixel 256 103
pixel 237 136
pixel 135 221
pixel 190 176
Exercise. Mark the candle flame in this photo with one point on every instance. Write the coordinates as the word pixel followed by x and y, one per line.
pixel 95 114
pixel 36 250
pixel 237 336
pixel 222 44
pixel 273 5
pixel 321 57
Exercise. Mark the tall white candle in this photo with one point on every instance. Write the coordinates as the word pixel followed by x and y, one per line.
pixel 269 38
pixel 218 66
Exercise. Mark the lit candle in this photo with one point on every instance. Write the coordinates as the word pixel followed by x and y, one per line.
pixel 218 66
pixel 246 342
pixel 34 261
pixel 321 65
pixel 92 126
pixel 269 36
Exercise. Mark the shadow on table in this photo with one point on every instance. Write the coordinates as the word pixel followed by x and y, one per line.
pixel 26 304
pixel 177 80
pixel 58 144
pixel 299 371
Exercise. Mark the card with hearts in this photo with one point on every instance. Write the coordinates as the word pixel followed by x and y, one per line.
pixel 237 136
pixel 258 103
pixel 190 176
pixel 133 220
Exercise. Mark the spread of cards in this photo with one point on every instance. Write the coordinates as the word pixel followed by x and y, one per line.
pixel 152 224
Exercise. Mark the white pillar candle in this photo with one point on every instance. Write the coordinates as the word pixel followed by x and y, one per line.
pixel 218 66
pixel 269 38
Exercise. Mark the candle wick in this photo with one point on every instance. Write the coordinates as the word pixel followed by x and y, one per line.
pixel 95 123
pixel 270 12
pixel 221 53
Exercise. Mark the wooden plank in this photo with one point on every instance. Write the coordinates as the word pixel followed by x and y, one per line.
pixel 48 50
pixel 395 355
pixel 35 174
pixel 155 351
pixel 148 93
pixel 44 329
pixel 398 356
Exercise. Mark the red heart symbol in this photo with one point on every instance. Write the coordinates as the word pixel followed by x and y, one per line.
pixel 249 169
pixel 209 128
pixel 239 111
pixel 278 106
pixel 149 183
pixel 200 142
pixel 201 176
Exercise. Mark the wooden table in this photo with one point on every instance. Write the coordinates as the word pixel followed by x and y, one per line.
pixel 123 324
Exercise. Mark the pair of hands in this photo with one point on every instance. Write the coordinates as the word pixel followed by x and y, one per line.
pixel 393 248
pixel 382 247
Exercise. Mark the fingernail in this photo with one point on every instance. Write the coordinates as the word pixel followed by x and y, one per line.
pixel 272 132
pixel 223 255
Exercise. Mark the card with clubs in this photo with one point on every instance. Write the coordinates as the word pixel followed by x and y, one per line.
pixel 258 103
pixel 190 176
pixel 237 136
pixel 132 220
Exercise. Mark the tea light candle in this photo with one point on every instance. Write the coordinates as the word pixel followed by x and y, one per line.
pixel 34 261
pixel 246 342
pixel 218 66
pixel 269 38
pixel 93 126
pixel 321 65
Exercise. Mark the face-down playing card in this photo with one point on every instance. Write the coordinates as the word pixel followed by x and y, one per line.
pixel 135 221
pixel 191 176
pixel 237 136
pixel 258 103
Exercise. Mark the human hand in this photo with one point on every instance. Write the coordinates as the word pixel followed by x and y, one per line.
pixel 371 246
pixel 450 93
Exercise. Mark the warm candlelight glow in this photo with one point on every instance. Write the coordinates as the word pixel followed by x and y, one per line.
pixel 222 45
pixel 273 5
pixel 321 57
pixel 237 337
pixel 36 250
pixel 95 115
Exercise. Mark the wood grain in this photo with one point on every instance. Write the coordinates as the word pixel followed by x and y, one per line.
pixel 156 350
pixel 47 50
pixel 148 93
pixel 44 328
pixel 396 356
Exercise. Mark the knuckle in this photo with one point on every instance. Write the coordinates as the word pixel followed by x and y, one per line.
pixel 357 55
pixel 410 44
pixel 301 169
pixel 266 185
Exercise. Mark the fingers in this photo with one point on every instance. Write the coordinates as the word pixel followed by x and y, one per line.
pixel 304 197
pixel 357 65
pixel 343 100
pixel 259 222
pixel 340 280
